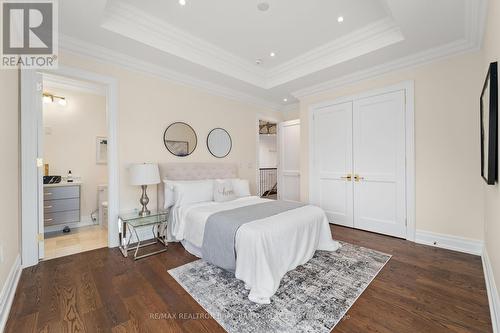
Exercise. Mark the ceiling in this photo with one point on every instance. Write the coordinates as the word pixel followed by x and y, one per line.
pixel 216 44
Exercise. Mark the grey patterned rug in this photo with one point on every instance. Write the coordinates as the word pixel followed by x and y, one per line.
pixel 312 298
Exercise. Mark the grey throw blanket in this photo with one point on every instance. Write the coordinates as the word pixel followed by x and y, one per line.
pixel 219 237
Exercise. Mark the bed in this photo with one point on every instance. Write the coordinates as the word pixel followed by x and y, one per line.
pixel 276 237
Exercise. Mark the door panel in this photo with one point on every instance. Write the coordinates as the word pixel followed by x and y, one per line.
pixel 332 162
pixel 289 161
pixel 379 160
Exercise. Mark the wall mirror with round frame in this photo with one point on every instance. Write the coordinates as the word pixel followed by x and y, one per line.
pixel 219 142
pixel 180 139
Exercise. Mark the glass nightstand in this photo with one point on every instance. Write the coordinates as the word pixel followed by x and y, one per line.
pixel 130 222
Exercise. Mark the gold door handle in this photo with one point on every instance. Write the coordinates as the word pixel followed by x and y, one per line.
pixel 358 178
pixel 348 177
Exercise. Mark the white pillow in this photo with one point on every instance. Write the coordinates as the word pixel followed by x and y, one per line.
pixel 170 198
pixel 193 192
pixel 241 187
pixel 223 191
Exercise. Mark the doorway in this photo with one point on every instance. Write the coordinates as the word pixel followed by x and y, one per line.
pixel 268 159
pixel 32 164
pixel 74 151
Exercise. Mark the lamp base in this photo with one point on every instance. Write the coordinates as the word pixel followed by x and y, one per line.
pixel 144 202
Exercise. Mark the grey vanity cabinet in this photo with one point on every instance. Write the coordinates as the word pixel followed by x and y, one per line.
pixel 61 205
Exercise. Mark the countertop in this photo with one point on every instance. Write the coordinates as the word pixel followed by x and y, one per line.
pixel 64 183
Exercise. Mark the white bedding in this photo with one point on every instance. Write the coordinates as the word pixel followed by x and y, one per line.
pixel 266 249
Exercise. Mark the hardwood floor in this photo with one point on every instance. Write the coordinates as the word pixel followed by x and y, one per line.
pixel 421 289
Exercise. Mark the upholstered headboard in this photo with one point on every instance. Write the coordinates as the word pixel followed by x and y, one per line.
pixel 193 171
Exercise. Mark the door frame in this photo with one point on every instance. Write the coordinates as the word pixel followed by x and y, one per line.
pixel 409 88
pixel 281 151
pixel 29 189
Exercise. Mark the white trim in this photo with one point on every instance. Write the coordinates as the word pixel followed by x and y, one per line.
pixel 491 288
pixel 107 56
pixel 368 39
pixel 409 88
pixel 449 242
pixel 132 22
pixel 58 82
pixel 475 18
pixel 8 292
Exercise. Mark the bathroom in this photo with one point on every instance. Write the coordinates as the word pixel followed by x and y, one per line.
pixel 75 166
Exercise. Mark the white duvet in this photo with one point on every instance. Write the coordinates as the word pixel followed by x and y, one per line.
pixel 266 249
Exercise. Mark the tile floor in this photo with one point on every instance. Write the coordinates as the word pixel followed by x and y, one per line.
pixel 78 240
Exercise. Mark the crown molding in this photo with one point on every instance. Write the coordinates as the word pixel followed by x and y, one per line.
pixel 81 48
pixel 370 38
pixel 51 81
pixel 132 22
pixel 475 17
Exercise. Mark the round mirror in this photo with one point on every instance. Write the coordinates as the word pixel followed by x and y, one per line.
pixel 219 142
pixel 180 139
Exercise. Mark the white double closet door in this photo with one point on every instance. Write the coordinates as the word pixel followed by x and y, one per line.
pixel 359 163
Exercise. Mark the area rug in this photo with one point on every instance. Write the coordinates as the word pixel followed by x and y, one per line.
pixel 313 297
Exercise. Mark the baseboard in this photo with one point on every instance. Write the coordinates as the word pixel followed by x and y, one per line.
pixel 8 292
pixel 493 296
pixel 460 244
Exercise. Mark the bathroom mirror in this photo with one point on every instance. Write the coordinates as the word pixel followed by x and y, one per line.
pixel 219 142
pixel 180 139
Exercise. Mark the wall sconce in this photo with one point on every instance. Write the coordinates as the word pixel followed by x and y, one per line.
pixel 49 98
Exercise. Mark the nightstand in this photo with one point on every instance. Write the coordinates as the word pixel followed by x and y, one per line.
pixel 129 223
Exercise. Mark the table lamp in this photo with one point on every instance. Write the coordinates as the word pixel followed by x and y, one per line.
pixel 144 174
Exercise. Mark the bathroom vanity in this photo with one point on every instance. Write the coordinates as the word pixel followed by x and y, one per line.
pixel 61 204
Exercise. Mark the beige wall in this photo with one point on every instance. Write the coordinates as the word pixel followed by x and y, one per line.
pixel 70 134
pixel 492 193
pixel 9 168
pixel 449 198
pixel 147 105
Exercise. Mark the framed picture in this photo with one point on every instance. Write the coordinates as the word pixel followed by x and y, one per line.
pixel 489 126
pixel 101 144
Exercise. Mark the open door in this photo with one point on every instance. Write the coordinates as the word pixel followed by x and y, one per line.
pixel 31 167
pixel 40 164
pixel 289 160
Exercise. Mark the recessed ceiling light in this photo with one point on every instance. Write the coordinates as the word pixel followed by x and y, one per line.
pixel 340 19
pixel 272 54
pixel 263 6
pixel 182 2
pixel 285 99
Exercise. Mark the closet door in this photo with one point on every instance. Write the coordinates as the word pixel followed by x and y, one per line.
pixel 332 163
pixel 379 164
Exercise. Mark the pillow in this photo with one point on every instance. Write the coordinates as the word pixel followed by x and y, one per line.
pixel 241 187
pixel 170 198
pixel 193 192
pixel 223 191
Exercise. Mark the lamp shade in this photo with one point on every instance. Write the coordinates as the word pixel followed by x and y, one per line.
pixel 144 174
